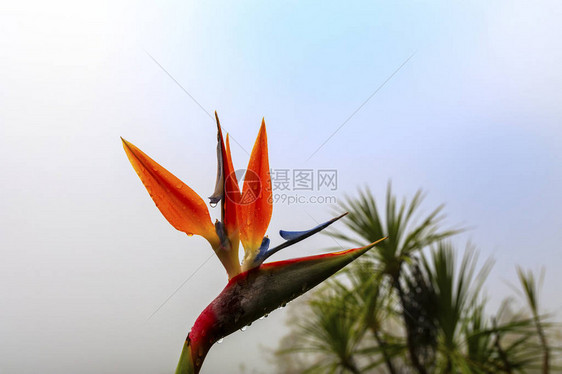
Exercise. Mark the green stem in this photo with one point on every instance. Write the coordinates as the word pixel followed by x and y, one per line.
pixel 185 365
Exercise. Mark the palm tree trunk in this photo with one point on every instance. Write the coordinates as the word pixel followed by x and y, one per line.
pixel 385 355
pixel 411 344
pixel 350 365
pixel 449 367
pixel 544 343
pixel 503 356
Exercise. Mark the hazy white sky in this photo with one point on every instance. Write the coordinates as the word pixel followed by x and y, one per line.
pixel 474 118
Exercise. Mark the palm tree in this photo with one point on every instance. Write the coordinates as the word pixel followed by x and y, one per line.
pixel 456 297
pixel 408 233
pixel 531 289
pixel 367 297
pixel 412 307
pixel 333 337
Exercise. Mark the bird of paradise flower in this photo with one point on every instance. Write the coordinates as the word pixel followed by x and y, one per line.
pixel 254 288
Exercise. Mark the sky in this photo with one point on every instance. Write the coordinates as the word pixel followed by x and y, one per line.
pixel 461 99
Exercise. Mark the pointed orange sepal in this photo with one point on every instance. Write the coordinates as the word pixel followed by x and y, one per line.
pixel 228 251
pixel 180 205
pixel 231 196
pixel 256 202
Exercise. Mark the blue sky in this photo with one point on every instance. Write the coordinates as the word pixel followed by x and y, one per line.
pixel 473 118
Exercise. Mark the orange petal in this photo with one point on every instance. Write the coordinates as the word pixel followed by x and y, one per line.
pixel 231 196
pixel 179 204
pixel 256 201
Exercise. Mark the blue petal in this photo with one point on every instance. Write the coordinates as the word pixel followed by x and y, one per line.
pixel 262 254
pixel 288 235
pixel 264 245
pixel 300 235
pixel 292 237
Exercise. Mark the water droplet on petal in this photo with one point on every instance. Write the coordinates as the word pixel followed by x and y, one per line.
pixel 220 340
pixel 243 328
pixel 213 205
